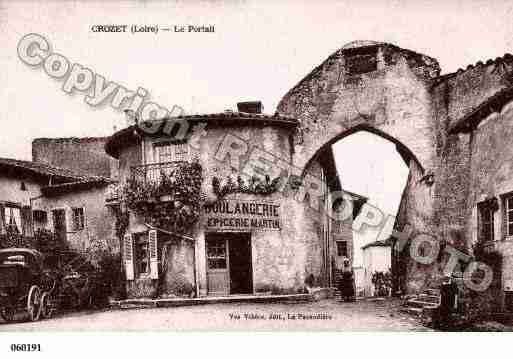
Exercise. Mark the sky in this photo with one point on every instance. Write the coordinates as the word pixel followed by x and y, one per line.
pixel 258 52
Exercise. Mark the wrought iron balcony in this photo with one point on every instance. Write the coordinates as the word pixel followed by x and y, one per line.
pixel 154 172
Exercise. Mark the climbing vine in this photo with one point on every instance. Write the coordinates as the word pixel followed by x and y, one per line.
pixel 172 202
pixel 255 185
pixel 122 222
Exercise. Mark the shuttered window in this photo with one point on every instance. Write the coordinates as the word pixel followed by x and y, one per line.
pixel 153 249
pixel 486 227
pixel 508 215
pixel 78 219
pixel 128 252
pixel 12 218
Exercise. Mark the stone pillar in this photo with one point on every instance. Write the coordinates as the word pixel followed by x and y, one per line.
pixel 201 264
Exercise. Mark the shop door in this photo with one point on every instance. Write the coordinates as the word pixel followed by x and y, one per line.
pixel 241 274
pixel 218 277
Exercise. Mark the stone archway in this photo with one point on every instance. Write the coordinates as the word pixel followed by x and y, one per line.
pixel 382 89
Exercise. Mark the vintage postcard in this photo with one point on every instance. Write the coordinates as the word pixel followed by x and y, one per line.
pixel 255 166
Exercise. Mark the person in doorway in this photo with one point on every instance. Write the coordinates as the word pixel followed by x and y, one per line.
pixel 448 304
pixel 347 283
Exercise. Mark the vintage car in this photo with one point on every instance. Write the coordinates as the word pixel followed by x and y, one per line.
pixel 24 285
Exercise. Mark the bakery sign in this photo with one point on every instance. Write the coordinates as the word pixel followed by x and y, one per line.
pixel 237 215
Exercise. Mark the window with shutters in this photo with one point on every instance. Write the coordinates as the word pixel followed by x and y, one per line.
pixel 171 152
pixel 486 227
pixel 78 219
pixel 12 218
pixel 141 254
pixel 508 214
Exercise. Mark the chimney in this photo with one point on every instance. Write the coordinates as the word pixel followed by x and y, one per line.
pixel 250 107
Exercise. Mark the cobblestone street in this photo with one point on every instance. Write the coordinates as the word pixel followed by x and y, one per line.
pixel 363 315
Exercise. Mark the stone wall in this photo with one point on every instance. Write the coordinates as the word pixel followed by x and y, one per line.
pixel 99 227
pixel 491 175
pixel 85 156
pixel 281 260
pixel 393 101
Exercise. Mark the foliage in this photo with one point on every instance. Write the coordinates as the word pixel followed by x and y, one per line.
pixel 47 243
pixel 122 222
pixel 111 276
pixel 12 238
pixel 182 185
pixel 382 282
pixel 255 185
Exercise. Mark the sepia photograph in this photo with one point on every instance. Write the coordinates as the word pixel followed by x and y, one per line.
pixel 243 166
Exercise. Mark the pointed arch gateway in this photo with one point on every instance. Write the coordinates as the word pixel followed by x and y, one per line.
pixel 405 153
pixel 382 89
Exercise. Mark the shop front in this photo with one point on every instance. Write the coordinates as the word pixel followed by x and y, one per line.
pixel 229 225
pixel 229 263
pixel 196 224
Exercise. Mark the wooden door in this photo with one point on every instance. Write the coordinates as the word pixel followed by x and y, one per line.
pixel 59 224
pixel 218 275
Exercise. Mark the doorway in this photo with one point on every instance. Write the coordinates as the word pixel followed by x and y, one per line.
pixel 241 278
pixel 229 264
pixel 59 224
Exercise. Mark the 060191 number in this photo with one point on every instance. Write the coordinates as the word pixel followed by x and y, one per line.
pixel 25 347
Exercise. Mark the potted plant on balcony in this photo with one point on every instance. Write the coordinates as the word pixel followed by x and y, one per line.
pixel 172 202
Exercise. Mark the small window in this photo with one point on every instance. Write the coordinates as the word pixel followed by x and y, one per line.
pixel 141 254
pixel 342 249
pixel 78 219
pixel 171 152
pixel 361 60
pixel 508 214
pixel 216 254
pixel 485 222
pixel 12 217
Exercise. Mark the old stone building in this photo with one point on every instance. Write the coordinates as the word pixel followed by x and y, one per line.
pixel 253 232
pixel 36 195
pixel 85 156
pixel 453 131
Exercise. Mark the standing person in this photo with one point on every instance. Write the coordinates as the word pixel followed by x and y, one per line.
pixel 448 303
pixel 347 283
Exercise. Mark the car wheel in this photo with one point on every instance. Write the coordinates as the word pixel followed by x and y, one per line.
pixel 34 303
pixel 45 307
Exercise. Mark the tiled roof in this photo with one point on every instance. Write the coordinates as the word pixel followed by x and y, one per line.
pixel 228 115
pixel 490 105
pixel 40 168
pixel 77 185
pixel 506 58
pixel 227 118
